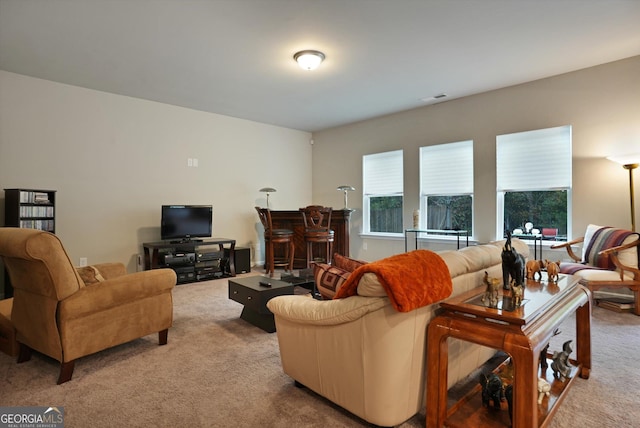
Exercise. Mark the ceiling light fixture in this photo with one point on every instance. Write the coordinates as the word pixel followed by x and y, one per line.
pixel 309 59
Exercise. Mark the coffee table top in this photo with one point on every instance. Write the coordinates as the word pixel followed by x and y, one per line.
pixel 253 282
pixel 538 297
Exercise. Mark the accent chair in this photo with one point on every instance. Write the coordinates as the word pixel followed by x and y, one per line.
pixel 609 259
pixel 57 313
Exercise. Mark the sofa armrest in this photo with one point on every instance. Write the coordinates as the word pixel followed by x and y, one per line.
pixel 305 310
pixel 117 291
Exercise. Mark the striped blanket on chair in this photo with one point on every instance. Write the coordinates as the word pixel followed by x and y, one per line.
pixel 602 239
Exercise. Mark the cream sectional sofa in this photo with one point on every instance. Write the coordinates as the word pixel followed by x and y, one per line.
pixel 363 355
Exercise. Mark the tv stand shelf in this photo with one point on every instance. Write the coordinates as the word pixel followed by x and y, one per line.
pixel 194 260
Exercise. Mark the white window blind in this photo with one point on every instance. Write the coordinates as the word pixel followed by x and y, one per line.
pixel 447 169
pixel 534 160
pixel 383 174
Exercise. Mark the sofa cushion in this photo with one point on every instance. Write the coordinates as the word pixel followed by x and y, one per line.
pixel 369 286
pixel 329 279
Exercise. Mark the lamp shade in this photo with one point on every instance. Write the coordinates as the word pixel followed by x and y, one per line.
pixel 309 59
pixel 628 159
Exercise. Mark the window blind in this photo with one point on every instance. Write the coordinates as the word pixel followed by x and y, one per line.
pixel 534 160
pixel 383 173
pixel 447 169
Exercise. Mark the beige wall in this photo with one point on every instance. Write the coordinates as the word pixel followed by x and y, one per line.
pixel 601 103
pixel 115 160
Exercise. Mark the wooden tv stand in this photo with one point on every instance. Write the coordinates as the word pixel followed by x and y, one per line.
pixel 196 260
pixel 523 333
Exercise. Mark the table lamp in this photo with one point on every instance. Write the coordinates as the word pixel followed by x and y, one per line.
pixel 345 189
pixel 267 190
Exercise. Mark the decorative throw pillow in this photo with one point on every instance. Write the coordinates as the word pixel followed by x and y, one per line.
pixel 329 279
pixel 90 274
pixel 347 263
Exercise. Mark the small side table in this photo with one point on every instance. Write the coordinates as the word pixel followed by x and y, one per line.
pixel 528 237
pixel 523 333
pixel 254 297
pixel 417 232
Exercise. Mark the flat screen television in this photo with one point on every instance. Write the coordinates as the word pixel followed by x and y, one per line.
pixel 185 222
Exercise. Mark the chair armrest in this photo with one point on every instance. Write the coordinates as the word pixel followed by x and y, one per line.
pixel 111 270
pixel 305 310
pixel 117 291
pixel 568 245
pixel 613 255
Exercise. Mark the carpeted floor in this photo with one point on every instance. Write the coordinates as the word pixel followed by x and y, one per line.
pixel 219 371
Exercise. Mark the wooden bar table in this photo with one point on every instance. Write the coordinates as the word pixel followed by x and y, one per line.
pixel 521 332
pixel 292 220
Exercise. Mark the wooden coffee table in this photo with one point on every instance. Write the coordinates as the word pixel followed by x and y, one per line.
pixel 523 333
pixel 254 297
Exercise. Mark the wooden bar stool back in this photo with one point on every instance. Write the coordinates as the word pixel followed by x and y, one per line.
pixel 276 236
pixel 317 229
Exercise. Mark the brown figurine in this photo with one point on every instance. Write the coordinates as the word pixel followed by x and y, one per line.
pixel 517 292
pixel 492 290
pixel 552 271
pixel 534 267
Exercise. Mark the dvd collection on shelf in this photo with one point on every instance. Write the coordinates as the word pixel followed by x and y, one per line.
pixel 31 197
pixel 47 225
pixel 36 211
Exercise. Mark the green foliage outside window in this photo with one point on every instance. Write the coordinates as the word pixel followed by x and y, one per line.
pixel 545 209
pixel 385 214
pixel 450 212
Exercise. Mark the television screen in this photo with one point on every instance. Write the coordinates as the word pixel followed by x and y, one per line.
pixel 186 221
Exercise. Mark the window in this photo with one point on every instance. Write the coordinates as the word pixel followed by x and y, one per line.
pixel 446 186
pixel 382 192
pixel 534 182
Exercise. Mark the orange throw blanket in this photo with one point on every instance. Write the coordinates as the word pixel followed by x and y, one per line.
pixel 411 280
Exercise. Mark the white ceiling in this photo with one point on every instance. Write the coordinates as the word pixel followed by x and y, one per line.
pixel 234 57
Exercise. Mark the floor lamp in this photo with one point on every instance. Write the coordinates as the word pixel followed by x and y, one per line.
pixel 629 162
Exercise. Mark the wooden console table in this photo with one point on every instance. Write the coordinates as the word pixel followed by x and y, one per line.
pixel 292 220
pixel 523 333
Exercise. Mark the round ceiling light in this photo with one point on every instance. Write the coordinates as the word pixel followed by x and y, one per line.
pixel 309 60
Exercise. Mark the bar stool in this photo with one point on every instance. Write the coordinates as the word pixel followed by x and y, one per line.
pixel 276 236
pixel 317 229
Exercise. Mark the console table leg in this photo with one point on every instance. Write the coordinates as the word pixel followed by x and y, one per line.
pixel 437 367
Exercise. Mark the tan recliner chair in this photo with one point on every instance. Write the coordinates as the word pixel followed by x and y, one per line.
pixel 56 313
